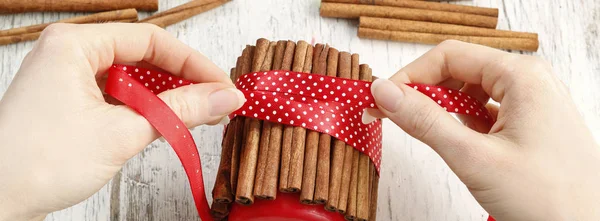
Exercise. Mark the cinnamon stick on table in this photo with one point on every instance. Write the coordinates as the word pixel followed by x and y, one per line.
pixel 341 10
pixel 437 28
pixel 182 12
pixel 286 143
pixel 312 137
pixel 436 6
pixel 349 150
pixel 17 6
pixel 302 62
pixel 337 162
pixel 265 138
pixel 524 44
pixel 33 32
pixel 324 155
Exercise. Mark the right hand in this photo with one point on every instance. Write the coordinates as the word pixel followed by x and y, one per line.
pixel 539 161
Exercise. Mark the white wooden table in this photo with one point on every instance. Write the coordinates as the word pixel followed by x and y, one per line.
pixel 415 183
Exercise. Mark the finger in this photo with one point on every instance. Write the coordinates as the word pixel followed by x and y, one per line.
pixel 425 120
pixel 194 104
pixel 105 44
pixel 494 70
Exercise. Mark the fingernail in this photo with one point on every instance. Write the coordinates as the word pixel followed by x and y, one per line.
pixel 367 118
pixel 225 101
pixel 387 94
pixel 224 121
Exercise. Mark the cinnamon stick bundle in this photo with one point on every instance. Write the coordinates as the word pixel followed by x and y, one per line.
pixel 302 63
pixel 18 6
pixel 436 6
pixel 524 44
pixel 341 10
pixel 33 32
pixel 438 28
pixel 182 12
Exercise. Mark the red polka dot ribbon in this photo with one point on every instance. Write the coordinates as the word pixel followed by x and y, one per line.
pixel 326 104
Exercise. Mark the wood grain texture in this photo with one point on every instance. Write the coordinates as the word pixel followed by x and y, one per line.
pixel 415 183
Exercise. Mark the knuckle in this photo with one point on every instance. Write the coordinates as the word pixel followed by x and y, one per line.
pixel 449 43
pixel 184 110
pixel 56 35
pixel 423 122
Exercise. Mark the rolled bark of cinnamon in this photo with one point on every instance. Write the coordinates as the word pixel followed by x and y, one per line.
pixel 351 209
pixel 324 155
pixel 288 131
pixel 312 137
pixel 265 138
pixel 524 44
pixel 301 61
pixel 365 170
pixel 18 6
pixel 341 10
pixel 438 28
pixel 219 210
pixel 182 12
pixel 337 162
pixel 242 67
pixel 349 150
pixel 249 157
pixel 222 192
pixel 374 196
pixel 436 6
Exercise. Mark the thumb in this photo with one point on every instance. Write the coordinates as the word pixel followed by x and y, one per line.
pixel 206 103
pixel 195 105
pixel 425 120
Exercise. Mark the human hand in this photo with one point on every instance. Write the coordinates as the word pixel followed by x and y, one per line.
pixel 539 161
pixel 62 141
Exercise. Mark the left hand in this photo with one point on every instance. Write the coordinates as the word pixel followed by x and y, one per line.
pixel 62 141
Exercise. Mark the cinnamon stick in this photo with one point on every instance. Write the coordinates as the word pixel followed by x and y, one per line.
pixel 341 10
pixel 269 186
pixel 524 44
pixel 438 28
pixel 18 6
pixel 324 154
pixel 301 61
pixel 286 145
pixel 436 6
pixel 182 12
pixel 353 193
pixel 219 210
pixel 242 66
pixel 374 195
pixel 364 171
pixel 352 67
pixel 249 154
pixel 337 162
pixel 265 137
pixel 312 137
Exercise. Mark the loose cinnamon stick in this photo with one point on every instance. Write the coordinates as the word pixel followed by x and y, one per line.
pixel 324 154
pixel 524 44
pixel 182 12
pixel 365 169
pixel 249 156
pixel 337 162
pixel 438 28
pixel 341 10
pixel 312 137
pixel 269 186
pixel 18 6
pixel 286 145
pixel 353 193
pixel 116 15
pixel 299 133
pixel 436 6
pixel 265 137
pixel 349 150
